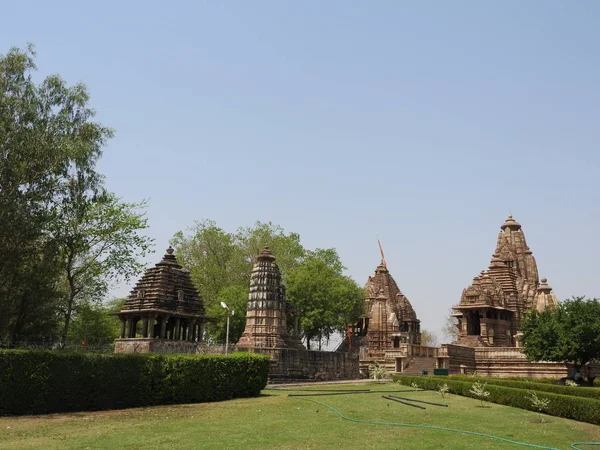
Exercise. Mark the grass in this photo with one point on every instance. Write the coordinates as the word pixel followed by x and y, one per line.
pixel 275 420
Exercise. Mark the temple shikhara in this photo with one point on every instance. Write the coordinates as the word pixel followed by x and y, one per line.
pixel 390 323
pixel 266 321
pixel 492 307
pixel 169 308
pixel 267 332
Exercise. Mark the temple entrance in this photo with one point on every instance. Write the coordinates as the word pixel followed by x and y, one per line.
pixel 473 324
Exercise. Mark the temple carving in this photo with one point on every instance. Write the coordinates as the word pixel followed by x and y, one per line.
pixel 491 309
pixel 266 321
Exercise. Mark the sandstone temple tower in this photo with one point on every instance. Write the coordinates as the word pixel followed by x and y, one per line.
pixel 492 307
pixel 266 323
pixel 391 318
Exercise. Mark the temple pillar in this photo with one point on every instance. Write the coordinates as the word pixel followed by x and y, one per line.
pixel 130 329
pixel 151 320
pixel 145 327
pixel 177 330
pixel 201 332
pixel 122 332
pixel 163 327
pixel 192 334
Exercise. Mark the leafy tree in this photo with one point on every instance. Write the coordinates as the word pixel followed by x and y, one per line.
pixel 45 129
pixel 100 241
pixel 93 325
pixel 570 332
pixel 213 257
pixel 326 299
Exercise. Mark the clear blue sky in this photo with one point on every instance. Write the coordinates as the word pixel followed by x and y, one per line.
pixel 424 123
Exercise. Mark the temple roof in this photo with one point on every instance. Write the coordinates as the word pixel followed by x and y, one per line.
pixel 382 284
pixel 165 288
pixel 511 223
pixel 512 277
pixel 544 298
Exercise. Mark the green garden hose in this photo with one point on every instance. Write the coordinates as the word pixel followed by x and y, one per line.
pixel 433 427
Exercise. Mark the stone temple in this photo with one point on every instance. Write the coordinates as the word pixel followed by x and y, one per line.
pixel 390 323
pixel 267 332
pixel 169 308
pixel 491 309
pixel 266 321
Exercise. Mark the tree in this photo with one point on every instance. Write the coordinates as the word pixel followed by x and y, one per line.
pixel 220 265
pixel 451 331
pixel 326 300
pixel 569 333
pixel 100 241
pixel 429 339
pixel 45 129
pixel 94 326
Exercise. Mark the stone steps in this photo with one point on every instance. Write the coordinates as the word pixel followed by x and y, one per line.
pixel 417 364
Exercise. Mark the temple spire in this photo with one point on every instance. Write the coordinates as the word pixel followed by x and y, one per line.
pixel 383 263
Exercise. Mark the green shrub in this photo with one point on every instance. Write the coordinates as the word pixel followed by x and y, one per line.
pixel 576 408
pixel 577 391
pixel 39 382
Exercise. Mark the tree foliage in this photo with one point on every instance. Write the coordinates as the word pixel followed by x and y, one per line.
pixel 52 201
pixel 569 333
pixel 327 301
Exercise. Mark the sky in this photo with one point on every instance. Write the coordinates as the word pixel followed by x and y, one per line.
pixel 422 123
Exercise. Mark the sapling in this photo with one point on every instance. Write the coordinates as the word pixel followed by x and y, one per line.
pixel 443 390
pixel 479 391
pixel 539 404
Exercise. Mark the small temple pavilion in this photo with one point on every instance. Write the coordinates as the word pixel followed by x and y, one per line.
pixel 491 309
pixel 168 307
pixel 266 321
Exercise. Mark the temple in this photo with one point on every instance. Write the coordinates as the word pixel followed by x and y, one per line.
pixel 266 321
pixel 491 309
pixel 169 308
pixel 266 331
pixel 389 326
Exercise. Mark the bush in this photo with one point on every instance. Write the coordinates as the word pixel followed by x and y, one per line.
pixel 576 408
pixel 543 387
pixel 40 382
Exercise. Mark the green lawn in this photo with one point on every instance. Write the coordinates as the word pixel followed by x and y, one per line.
pixel 275 420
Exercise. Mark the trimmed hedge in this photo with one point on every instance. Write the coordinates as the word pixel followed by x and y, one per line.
pixel 40 382
pixel 578 391
pixel 576 408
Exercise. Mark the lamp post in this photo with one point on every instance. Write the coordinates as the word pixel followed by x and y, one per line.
pixel 229 313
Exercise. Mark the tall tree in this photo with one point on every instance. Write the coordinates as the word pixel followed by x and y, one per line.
pixel 569 333
pixel 100 241
pixel 326 300
pixel 45 129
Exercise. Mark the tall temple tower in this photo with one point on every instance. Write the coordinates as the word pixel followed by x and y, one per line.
pixel 391 318
pixel 267 308
pixel 491 309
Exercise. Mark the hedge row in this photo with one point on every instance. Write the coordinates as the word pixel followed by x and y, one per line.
pixel 576 408
pixel 40 382
pixel 577 391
